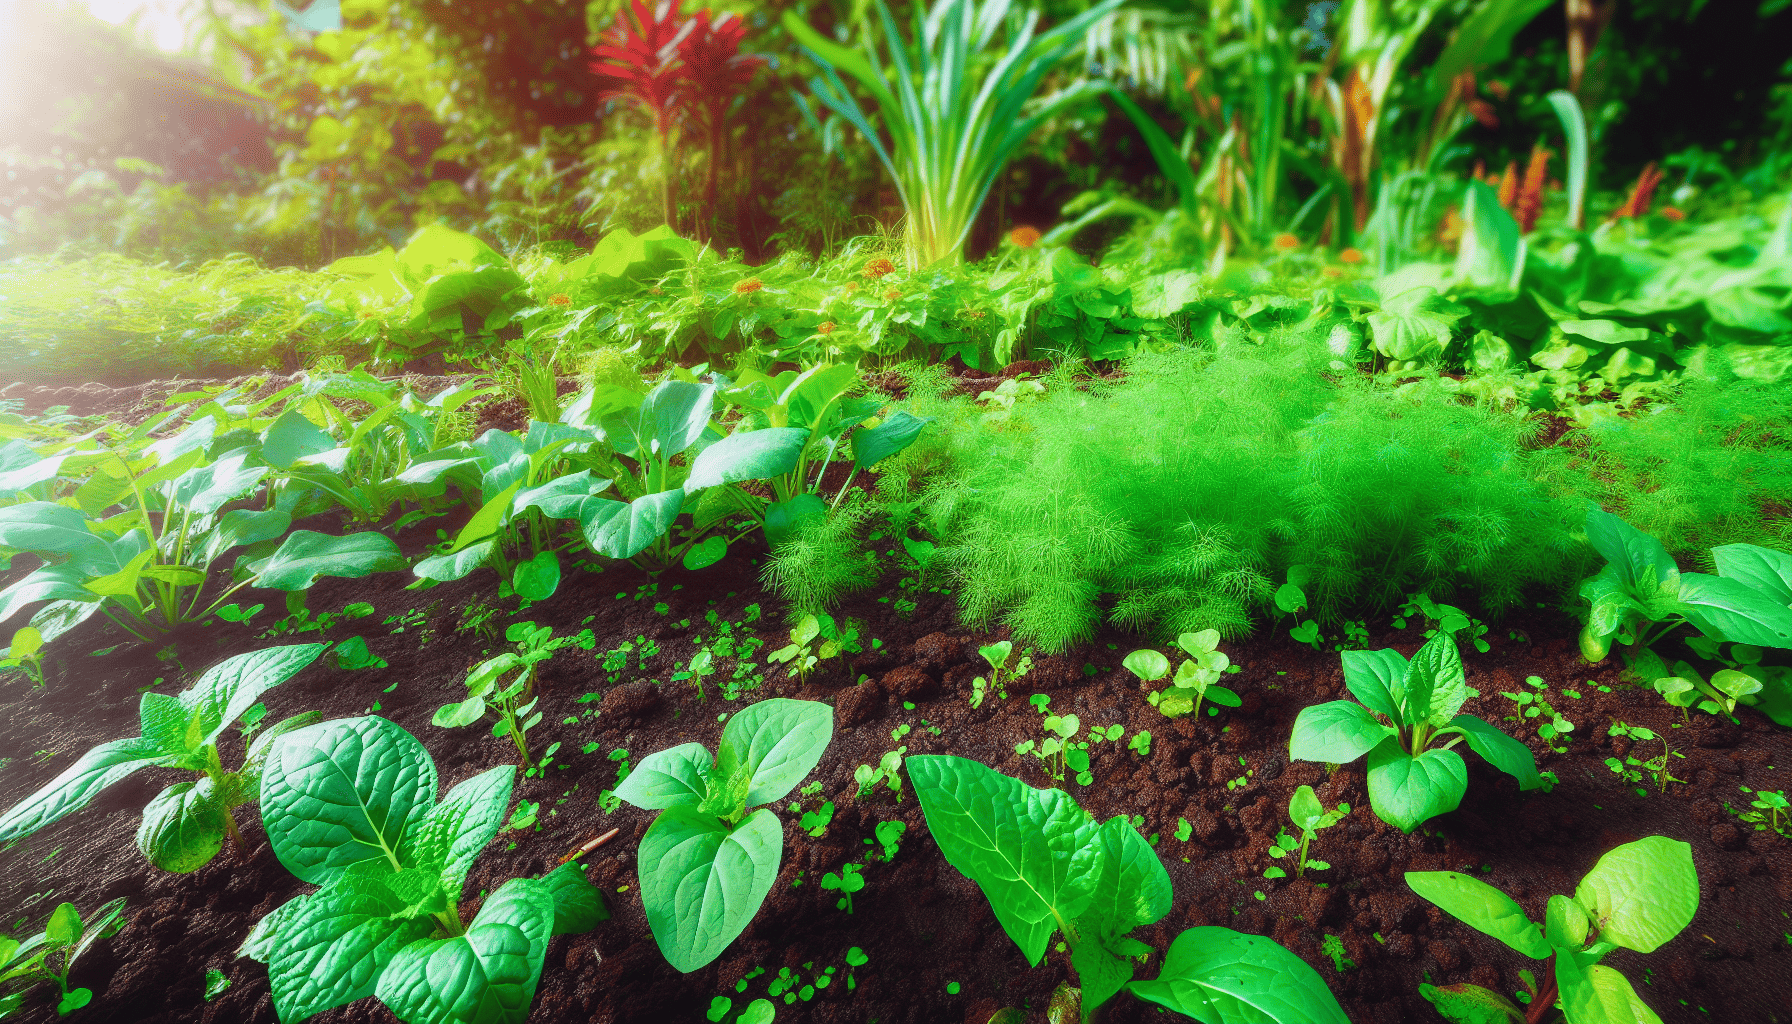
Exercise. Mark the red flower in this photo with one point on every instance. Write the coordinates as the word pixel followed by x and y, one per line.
pixel 560 300
pixel 638 60
pixel 825 327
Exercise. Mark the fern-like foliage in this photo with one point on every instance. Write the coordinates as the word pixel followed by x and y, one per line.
pixel 823 562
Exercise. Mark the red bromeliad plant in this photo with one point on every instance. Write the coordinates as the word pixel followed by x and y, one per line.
pixel 676 69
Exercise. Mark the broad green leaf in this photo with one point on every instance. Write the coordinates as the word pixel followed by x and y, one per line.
pixel 232 686
pixel 1643 565
pixel 243 526
pixel 64 926
pixel 488 975
pixel 1463 1003
pixel 1565 923
pixel 702 884
pixel 777 742
pixel 459 714
pixel 560 497
pixel 1436 687
pixel 811 395
pixel 701 556
pixel 1611 599
pixel 455 564
pixel 1500 750
pixel 77 785
pixel 1483 38
pixel 46 527
pixel 1642 894
pixel 344 793
pixel 1147 664
pixel 578 905
pixel 668 778
pixel 304 556
pixel 537 578
pixel 329 950
pixel 1491 252
pixel 897 431
pixel 784 518
pixel 1411 329
pixel 183 827
pixel 1764 569
pixel 1337 732
pixel 1729 609
pixel 204 490
pixel 1599 995
pixel 752 455
pixel 1032 852
pixel 617 530
pixel 50 583
pixel 1305 810
pixel 291 437
pixel 1131 890
pixel 1220 976
pixel 123 582
pixel 1481 907
pixel 1406 791
pixel 1376 678
pixel 448 839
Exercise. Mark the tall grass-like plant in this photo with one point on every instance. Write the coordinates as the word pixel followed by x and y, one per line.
pixel 954 120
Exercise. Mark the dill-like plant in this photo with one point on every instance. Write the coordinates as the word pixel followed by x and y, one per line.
pixel 824 561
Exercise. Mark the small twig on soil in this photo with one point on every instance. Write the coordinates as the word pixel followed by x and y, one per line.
pixel 592 845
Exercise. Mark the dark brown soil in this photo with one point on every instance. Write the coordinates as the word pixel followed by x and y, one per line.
pixel 921 923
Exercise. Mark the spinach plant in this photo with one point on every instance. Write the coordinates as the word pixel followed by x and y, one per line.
pixel 1310 816
pixel 1405 709
pixel 1046 866
pixel 1641 594
pixel 186 824
pixel 51 954
pixel 1637 897
pixel 705 840
pixel 350 806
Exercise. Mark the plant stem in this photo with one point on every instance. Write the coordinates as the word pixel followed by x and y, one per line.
pixel 1545 1000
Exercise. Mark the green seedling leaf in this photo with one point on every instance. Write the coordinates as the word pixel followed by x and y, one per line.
pixel 304 557
pixel 1335 733
pixel 488 975
pixel 777 742
pixel 1406 791
pixel 1436 686
pixel 668 778
pixel 328 950
pixel 1642 894
pixel 1378 679
pixel 1463 1003
pixel 537 578
pixel 1481 907
pixel 183 827
pixel 1598 993
pixel 578 905
pixel 618 530
pixel 1217 974
pixel 896 432
pixel 1032 852
pixel 1764 569
pixel 701 556
pixel 707 881
pixel 1148 665
pixel 1500 750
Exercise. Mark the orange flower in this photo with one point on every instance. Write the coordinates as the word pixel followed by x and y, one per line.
pixel 1025 237
pixel 1286 241
pixel 893 294
pixel 751 284
pixel 1641 193
pixel 879 267
pixel 1672 213
pixel 1333 272
pixel 560 300
pixel 1351 255
pixel 1527 206
pixel 825 327
pixel 851 286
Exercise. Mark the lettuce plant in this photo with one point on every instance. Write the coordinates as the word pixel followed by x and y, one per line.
pixel 51 954
pixel 350 806
pixel 1641 594
pixel 1405 709
pixel 705 841
pixel 185 826
pixel 1046 866
pixel 1637 897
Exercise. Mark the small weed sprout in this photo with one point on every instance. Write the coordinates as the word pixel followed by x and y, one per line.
pixel 1310 816
pixel 847 882
pixel 1196 679
pixel 1535 705
pixel 27 655
pixel 1657 767
pixel 888 771
pixel 998 655
pixel 1771 811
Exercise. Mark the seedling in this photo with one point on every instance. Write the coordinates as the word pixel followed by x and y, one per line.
pixel 352 654
pixel 1657 767
pixel 802 654
pixel 1637 897
pixel 26 654
pixel 351 806
pixel 1447 618
pixel 998 655
pixel 1686 688
pixel 1310 816
pixel 1535 705
pixel 1771 811
pixel 51 953
pixel 705 837
pixel 186 824
pixel 816 822
pixel 1140 743
pixel 703 663
pixel 488 694
pixel 1059 750
pixel 847 882
pixel 889 840
pixel 1046 867
pixel 1196 678
pixel 887 771
pixel 1333 947
pixel 1409 781
pixel 1292 600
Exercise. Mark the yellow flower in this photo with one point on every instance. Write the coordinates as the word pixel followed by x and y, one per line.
pixel 879 267
pixel 1351 255
pixel 1025 237
pixel 751 284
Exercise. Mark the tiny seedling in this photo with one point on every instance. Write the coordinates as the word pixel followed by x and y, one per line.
pixel 1532 704
pixel 1140 743
pixel 1196 679
pixel 1310 816
pixel 1637 897
pixel 1631 769
pixel 1333 947
pixel 704 836
pixel 1059 750
pixel 847 882
pixel 888 839
pixel 703 663
pixel 888 771
pixel 1447 618
pixel 487 694
pixel 51 953
pixel 816 822
pixel 1771 812
pixel 998 655
pixel 1409 781
pixel 26 654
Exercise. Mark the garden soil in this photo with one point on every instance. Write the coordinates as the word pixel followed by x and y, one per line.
pixel 921 926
